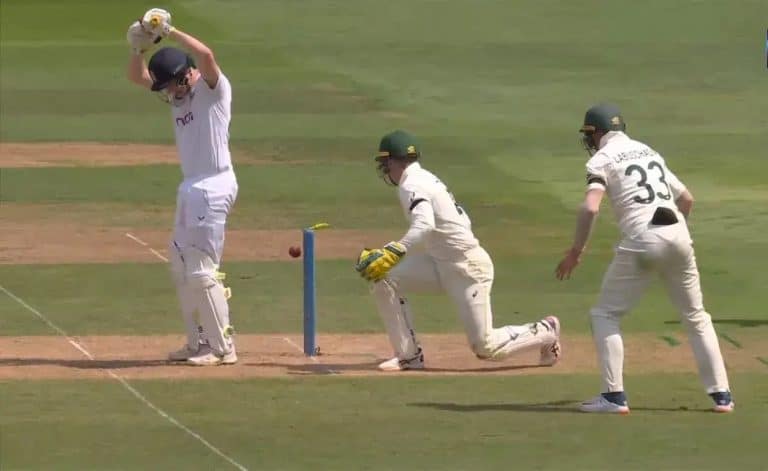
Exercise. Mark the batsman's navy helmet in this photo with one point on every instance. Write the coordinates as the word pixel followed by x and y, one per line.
pixel 167 65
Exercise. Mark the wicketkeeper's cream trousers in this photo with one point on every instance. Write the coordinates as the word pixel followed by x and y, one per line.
pixel 468 282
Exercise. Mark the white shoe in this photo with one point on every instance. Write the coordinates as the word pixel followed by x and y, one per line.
pixel 551 352
pixel 602 405
pixel 211 358
pixel 396 364
pixel 185 353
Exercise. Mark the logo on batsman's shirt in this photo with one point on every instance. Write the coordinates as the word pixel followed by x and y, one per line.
pixel 184 120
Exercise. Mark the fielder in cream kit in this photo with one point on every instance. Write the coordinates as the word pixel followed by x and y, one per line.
pixel 439 252
pixel 200 97
pixel 651 206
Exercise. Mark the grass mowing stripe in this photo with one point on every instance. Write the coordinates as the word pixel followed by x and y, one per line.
pixel 730 340
pixel 673 342
pixel 123 382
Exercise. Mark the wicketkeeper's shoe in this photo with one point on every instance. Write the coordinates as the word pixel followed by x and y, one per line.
pixel 185 353
pixel 396 364
pixel 212 358
pixel 723 402
pixel 601 404
pixel 551 352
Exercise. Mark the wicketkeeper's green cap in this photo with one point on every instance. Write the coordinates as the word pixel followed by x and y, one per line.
pixel 398 145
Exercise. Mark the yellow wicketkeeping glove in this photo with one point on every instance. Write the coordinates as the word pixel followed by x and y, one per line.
pixel 373 265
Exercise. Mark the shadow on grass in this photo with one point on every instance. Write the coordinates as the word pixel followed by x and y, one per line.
pixel 566 406
pixel 85 364
pixel 372 367
pixel 739 322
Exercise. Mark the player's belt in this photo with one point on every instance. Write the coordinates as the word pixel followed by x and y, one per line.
pixel 664 217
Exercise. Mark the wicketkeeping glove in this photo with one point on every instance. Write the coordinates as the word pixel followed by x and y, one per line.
pixel 158 22
pixel 373 265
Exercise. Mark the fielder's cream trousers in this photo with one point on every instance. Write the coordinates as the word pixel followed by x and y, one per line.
pixel 666 252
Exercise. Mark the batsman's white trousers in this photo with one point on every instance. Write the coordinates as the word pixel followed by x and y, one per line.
pixel 468 282
pixel 202 207
pixel 665 251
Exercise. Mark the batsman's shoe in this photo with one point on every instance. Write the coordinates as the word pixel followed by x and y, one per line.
pixel 213 359
pixel 185 353
pixel 723 402
pixel 396 364
pixel 551 352
pixel 602 405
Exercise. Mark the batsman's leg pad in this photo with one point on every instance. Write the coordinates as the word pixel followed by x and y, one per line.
pixel 210 297
pixel 186 297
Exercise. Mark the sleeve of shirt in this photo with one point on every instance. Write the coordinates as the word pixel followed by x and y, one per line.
pixel 221 92
pixel 597 172
pixel 417 206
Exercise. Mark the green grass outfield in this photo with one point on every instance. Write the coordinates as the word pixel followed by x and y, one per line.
pixel 496 90
pixel 380 423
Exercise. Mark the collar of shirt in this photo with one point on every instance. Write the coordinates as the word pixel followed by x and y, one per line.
pixel 414 167
pixel 611 137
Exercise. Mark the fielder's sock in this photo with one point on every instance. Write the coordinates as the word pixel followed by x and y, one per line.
pixel 617 397
pixel 722 398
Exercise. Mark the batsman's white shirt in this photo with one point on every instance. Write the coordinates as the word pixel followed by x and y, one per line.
pixel 209 189
pixel 637 181
pixel 202 129
pixel 428 204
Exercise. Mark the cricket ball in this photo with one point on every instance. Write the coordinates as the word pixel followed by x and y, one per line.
pixel 294 251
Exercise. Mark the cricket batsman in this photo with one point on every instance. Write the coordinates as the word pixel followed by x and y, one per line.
pixel 200 96
pixel 439 252
pixel 651 206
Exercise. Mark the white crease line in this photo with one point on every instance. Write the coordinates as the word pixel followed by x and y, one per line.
pixel 131 236
pixel 158 255
pixel 313 358
pixel 144 244
pixel 122 381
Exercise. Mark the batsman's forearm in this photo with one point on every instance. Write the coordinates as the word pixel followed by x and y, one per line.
pixel 585 221
pixel 137 70
pixel 198 50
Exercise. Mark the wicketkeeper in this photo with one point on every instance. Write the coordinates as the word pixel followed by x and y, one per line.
pixel 439 252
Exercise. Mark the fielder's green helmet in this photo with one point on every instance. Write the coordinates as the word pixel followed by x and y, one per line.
pixel 603 117
pixel 398 145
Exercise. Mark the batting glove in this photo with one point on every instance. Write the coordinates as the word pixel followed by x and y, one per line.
pixel 374 265
pixel 158 22
pixel 139 39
